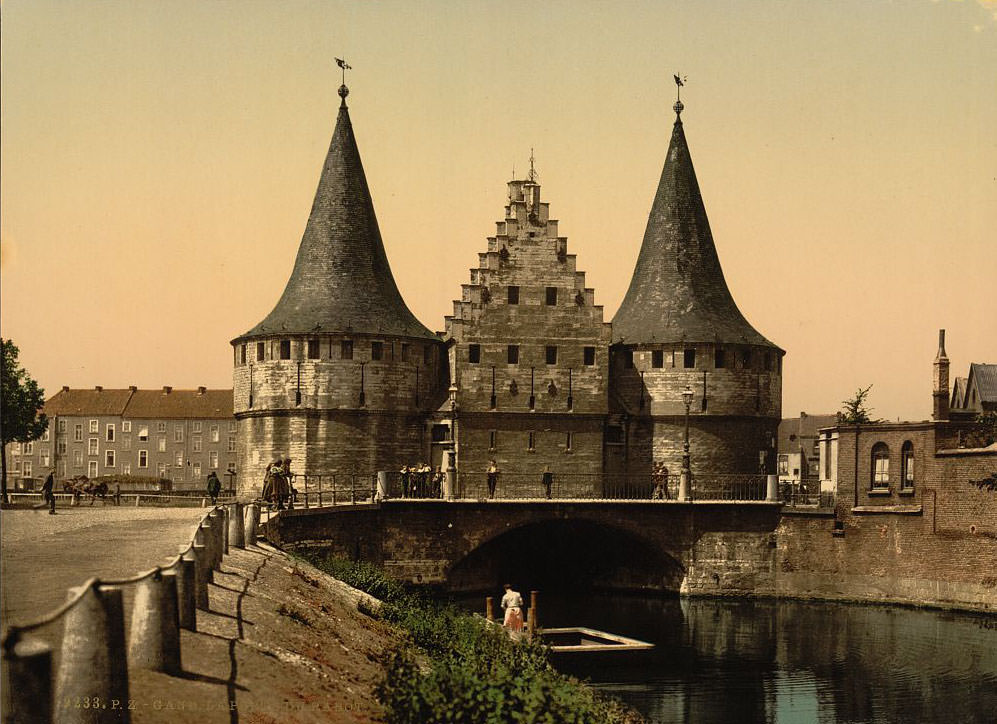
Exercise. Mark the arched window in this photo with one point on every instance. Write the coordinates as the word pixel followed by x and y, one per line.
pixel 907 466
pixel 880 465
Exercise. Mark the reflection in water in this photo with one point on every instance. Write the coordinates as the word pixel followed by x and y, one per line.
pixel 787 661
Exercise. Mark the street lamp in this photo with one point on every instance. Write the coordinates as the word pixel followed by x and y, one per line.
pixel 450 479
pixel 686 468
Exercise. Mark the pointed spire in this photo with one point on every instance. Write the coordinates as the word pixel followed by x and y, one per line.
pixel 678 291
pixel 341 280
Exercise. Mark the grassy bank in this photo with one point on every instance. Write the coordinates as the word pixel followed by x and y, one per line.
pixel 475 673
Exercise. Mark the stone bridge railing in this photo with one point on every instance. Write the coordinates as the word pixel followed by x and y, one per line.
pixel 91 683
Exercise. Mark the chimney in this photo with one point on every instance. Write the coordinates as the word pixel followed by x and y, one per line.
pixel 940 392
pixel 132 388
pixel 65 388
pixel 201 390
pixel 98 388
pixel 167 389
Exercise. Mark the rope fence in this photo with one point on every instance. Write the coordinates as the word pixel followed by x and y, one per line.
pixel 90 683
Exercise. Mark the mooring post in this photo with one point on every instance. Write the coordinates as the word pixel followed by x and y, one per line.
pixel 154 643
pixel 772 488
pixel 236 526
pixel 489 608
pixel 226 514
pixel 252 523
pixel 93 659
pixel 27 680
pixel 202 573
pixel 216 523
pixel 185 570
pixel 684 485
pixel 382 485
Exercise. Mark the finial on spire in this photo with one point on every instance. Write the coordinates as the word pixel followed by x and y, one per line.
pixel 679 82
pixel 343 90
pixel 532 178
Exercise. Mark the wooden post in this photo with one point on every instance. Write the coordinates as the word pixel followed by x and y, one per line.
pixel 490 608
pixel 534 618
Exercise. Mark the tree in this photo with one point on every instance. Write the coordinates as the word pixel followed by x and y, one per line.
pixel 854 410
pixel 21 400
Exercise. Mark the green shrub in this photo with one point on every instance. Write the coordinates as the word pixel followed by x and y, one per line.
pixel 476 672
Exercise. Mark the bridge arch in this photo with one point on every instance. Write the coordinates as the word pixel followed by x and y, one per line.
pixel 566 554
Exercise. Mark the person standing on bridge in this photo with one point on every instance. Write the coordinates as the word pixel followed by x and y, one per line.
pixel 512 604
pixel 548 480
pixel 493 473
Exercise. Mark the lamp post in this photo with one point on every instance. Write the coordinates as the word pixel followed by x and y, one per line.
pixel 450 479
pixel 686 475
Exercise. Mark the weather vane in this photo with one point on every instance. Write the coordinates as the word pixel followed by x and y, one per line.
pixel 346 66
pixel 679 82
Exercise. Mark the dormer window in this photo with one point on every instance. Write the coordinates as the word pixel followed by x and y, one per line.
pixel 377 350
pixel 313 349
pixel 285 349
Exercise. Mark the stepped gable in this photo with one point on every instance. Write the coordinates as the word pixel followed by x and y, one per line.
pixel 341 282
pixel 678 291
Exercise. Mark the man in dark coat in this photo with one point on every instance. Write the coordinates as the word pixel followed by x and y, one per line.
pixel 47 494
pixel 214 487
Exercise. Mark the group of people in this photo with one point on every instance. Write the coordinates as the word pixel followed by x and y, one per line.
pixel 421 481
pixel 659 476
pixel 278 490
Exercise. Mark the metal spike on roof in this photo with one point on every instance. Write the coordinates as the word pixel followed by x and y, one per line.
pixel 341 272
pixel 678 290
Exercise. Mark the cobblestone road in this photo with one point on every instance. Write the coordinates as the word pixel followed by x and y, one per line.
pixel 42 555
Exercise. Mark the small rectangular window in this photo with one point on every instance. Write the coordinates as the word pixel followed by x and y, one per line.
pixel 196 443
pixel 160 427
pixel 143 432
pixel 628 359
pixel 178 433
pixel 77 458
pixel 127 442
pixel 405 349
pixel 45 435
pixel 214 433
pixel 126 426
pixel 213 459
pixel 313 349
pixel 346 349
pixel 689 358
pixel 285 349
pixel 551 296
pixel 61 447
pixel 62 425
pixel 109 432
pixel 440 433
pixel 94 425
pixel 474 353
pixel 657 358
pixel 78 433
pixel 513 295
pixel 178 458
pixel 195 426
pixel 377 350
pixel 261 351
pixel 143 458
pixel 161 469
pixel 93 448
pixel 719 358
pixel 531 441
pixel 162 444
pixel 588 355
pixel 567 441
pixel 550 354
pixel 513 354
pixel 109 458
pixel 491 439
pixel 746 359
pixel 29 448
pixel 231 444
pixel 197 470
pixel 91 469
pixel 242 354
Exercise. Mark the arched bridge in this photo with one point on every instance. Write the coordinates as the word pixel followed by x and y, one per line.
pixel 715 547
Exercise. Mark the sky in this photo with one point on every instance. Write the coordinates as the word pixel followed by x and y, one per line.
pixel 158 163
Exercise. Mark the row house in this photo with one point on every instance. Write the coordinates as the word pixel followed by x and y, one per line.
pixel 167 434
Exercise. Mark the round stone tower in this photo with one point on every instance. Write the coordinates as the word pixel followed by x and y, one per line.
pixel 677 328
pixel 340 375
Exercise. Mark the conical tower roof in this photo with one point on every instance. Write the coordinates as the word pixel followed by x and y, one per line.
pixel 341 282
pixel 678 291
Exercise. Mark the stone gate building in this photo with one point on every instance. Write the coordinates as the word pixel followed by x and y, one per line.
pixel 344 379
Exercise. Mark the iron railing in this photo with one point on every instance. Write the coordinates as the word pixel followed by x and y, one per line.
pixel 806 493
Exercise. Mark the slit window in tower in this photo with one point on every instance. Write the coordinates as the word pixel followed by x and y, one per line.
pixel 491 439
pixel 567 442
pixel 513 295
pixel 689 358
pixel 513 354
pixel 551 296
pixel 346 349
pixel 285 349
pixel 719 358
pixel 746 359
pixel 531 441
pixel 261 351
pixel 377 350
pixel 588 355
pixel 474 353
pixel 242 354
pixel 551 354
pixel 657 358
pixel 405 347
pixel 313 349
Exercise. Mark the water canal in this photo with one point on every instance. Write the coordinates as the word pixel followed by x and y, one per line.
pixel 788 661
